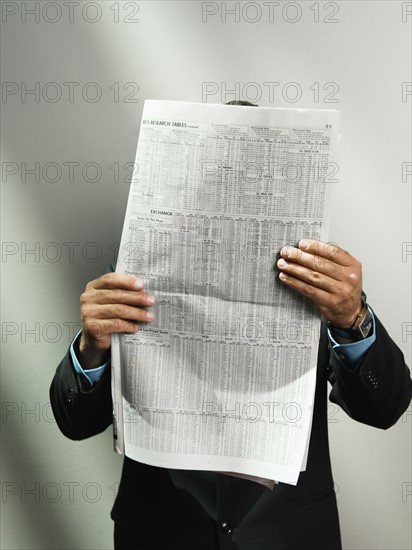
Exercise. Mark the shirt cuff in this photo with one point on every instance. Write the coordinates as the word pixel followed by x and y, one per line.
pixel 351 353
pixel 92 375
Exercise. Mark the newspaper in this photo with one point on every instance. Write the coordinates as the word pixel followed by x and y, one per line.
pixel 224 378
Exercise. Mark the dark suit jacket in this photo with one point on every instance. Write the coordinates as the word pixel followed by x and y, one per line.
pixel 190 510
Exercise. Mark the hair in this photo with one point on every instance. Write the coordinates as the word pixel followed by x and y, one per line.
pixel 240 102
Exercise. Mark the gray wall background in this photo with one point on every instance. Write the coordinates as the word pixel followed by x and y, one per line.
pixel 59 231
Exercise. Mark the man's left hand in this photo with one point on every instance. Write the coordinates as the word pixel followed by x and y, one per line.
pixel 326 274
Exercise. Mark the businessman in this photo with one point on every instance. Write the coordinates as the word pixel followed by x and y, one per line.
pixel 161 509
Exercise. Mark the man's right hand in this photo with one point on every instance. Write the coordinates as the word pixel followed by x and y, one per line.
pixel 112 303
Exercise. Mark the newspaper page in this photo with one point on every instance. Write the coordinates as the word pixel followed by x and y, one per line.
pixel 223 379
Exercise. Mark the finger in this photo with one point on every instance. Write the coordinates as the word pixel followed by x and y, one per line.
pixel 116 280
pixel 292 255
pixel 319 250
pixel 329 251
pixel 120 312
pixel 98 329
pixel 314 278
pixel 119 296
pixel 318 295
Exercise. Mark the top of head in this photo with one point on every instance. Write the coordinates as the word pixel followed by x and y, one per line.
pixel 239 102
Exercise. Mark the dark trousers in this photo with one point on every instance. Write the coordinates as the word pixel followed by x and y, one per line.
pixel 186 533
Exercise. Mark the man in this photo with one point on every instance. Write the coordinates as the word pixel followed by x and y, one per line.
pixel 161 509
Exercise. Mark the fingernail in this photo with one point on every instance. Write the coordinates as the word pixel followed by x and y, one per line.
pixel 138 284
pixel 304 244
pixel 286 251
pixel 150 316
pixel 283 276
pixel 151 299
pixel 282 263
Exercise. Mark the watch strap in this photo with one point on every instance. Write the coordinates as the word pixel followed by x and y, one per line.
pixel 360 330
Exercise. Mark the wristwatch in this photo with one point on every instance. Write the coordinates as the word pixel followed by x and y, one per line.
pixel 360 329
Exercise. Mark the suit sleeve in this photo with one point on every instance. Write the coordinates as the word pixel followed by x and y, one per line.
pixel 80 410
pixel 378 390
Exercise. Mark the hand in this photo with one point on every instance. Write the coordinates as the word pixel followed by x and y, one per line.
pixel 326 274
pixel 110 304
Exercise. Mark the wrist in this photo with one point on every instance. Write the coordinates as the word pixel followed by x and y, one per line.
pixel 359 330
pixel 90 356
pixel 359 317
